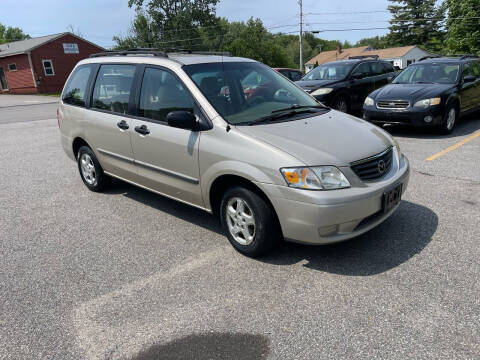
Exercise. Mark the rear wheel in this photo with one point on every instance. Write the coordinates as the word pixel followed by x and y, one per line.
pixel 249 222
pixel 449 120
pixel 91 171
pixel 340 103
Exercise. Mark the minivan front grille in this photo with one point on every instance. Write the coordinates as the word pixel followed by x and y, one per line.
pixel 393 104
pixel 373 167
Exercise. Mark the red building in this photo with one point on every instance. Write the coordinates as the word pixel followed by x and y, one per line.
pixel 41 65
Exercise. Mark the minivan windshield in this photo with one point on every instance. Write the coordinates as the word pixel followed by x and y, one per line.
pixel 329 72
pixel 244 92
pixel 431 73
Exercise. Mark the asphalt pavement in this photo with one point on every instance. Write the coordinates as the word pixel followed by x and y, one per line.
pixel 128 274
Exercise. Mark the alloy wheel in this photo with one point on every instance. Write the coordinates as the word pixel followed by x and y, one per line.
pixel 88 169
pixel 240 221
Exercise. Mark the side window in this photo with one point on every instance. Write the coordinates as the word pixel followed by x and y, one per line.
pixel 48 67
pixel 162 93
pixel 377 68
pixel 295 75
pixel 472 68
pixel 388 67
pixel 74 92
pixel 112 88
pixel 364 69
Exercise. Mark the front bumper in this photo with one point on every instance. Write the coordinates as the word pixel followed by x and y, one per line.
pixel 410 116
pixel 323 217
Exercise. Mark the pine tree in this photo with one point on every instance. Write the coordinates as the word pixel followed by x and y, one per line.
pixel 416 22
pixel 463 35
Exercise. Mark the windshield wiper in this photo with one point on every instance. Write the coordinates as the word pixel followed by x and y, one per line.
pixel 283 113
pixel 424 82
pixel 296 107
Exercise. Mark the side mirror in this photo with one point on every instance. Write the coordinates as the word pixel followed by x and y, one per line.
pixel 357 76
pixel 183 120
pixel 469 79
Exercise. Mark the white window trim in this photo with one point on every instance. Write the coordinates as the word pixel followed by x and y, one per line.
pixel 16 69
pixel 45 70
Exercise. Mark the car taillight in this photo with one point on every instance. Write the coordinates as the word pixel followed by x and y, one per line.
pixel 58 118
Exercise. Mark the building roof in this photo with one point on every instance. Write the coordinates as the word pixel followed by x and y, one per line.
pixel 24 46
pixel 333 55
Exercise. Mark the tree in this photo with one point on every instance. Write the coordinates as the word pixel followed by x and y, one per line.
pixel 416 22
pixel 377 42
pixel 8 34
pixel 463 35
pixel 169 23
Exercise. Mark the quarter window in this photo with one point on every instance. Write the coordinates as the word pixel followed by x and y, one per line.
pixel 48 67
pixel 112 88
pixel 75 90
pixel 161 94
pixel 12 67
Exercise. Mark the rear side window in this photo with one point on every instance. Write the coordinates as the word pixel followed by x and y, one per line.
pixel 389 67
pixel 75 90
pixel 364 69
pixel 112 88
pixel 162 93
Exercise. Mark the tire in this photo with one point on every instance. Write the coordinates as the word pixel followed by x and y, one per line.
pixel 447 124
pixel 90 170
pixel 251 240
pixel 340 103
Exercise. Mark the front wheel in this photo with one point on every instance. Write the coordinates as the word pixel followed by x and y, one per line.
pixel 340 103
pixel 249 222
pixel 449 120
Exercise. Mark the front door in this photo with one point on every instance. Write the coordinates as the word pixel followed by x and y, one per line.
pixel 3 80
pixel 166 157
pixel 107 126
pixel 469 91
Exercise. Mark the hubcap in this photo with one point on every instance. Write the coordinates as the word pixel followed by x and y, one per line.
pixel 451 119
pixel 240 221
pixel 88 169
pixel 342 106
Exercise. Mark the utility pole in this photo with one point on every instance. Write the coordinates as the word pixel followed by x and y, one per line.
pixel 301 35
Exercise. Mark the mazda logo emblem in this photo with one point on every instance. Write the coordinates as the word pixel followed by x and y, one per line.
pixel 381 166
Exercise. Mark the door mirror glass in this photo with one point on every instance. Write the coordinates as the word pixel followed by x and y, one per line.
pixel 469 78
pixel 183 120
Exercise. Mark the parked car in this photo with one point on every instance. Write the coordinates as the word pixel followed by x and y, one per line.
pixel 292 74
pixel 277 164
pixel 434 92
pixel 345 84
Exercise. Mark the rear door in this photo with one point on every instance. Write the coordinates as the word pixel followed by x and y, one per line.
pixel 108 125
pixel 469 92
pixel 379 73
pixel 166 157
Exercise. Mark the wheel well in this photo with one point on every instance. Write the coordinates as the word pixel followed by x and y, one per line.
pixel 77 144
pixel 224 182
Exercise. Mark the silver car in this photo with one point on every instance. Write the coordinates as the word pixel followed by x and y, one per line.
pixel 232 137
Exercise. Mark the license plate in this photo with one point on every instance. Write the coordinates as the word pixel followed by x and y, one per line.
pixel 392 198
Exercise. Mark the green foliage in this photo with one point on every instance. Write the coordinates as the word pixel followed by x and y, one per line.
pixel 412 24
pixel 463 35
pixel 377 42
pixel 8 34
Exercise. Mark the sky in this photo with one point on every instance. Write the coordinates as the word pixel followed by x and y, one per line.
pixel 99 20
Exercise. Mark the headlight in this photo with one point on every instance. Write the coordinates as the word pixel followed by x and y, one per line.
pixel 322 91
pixel 369 101
pixel 315 178
pixel 427 102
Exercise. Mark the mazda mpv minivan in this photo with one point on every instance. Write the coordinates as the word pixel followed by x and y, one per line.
pixel 270 160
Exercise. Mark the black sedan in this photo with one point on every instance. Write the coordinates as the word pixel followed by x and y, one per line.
pixel 434 92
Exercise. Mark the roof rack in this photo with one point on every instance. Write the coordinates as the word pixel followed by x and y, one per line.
pixel 158 52
pixel 375 57
pixel 429 57
pixel 461 56
pixel 136 51
pixel 467 56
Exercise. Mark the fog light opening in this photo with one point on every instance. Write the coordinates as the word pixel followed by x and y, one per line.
pixel 428 119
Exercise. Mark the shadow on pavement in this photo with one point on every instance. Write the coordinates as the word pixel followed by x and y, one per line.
pixel 464 126
pixel 210 346
pixel 406 233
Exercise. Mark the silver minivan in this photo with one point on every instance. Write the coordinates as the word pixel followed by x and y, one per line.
pixel 233 137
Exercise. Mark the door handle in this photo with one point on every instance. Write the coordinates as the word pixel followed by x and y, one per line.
pixel 123 125
pixel 142 130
